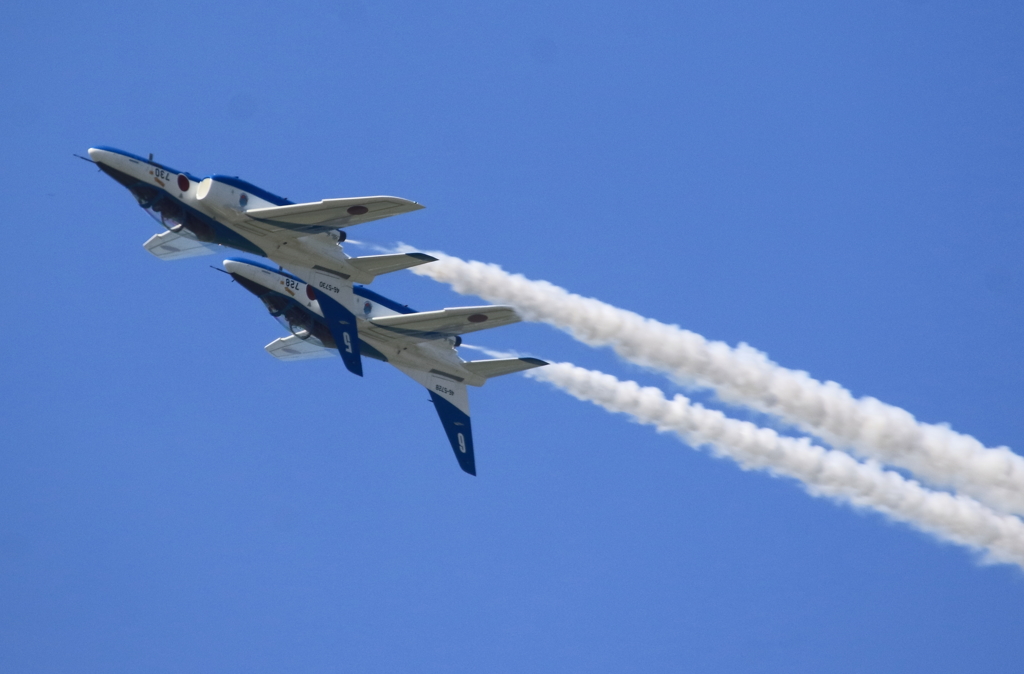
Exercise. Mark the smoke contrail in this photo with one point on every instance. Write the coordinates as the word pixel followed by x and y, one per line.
pixel 831 473
pixel 935 453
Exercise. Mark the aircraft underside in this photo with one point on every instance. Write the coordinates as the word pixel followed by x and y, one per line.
pixel 318 300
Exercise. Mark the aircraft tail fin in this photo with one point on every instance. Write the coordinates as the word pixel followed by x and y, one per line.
pixel 457 427
pixel 451 400
pixel 342 324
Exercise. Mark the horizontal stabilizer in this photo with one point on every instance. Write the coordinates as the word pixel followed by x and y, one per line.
pixel 320 216
pixel 171 246
pixel 500 366
pixel 448 322
pixel 292 348
pixel 375 265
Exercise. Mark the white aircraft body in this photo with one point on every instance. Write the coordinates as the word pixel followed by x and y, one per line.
pixel 320 303
pixel 358 322
pixel 202 213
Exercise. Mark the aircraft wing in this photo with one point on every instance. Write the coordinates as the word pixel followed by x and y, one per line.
pixel 447 322
pixel 292 348
pixel 171 246
pixel 329 214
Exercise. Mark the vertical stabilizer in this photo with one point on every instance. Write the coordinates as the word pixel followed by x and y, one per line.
pixel 342 324
pixel 458 429
pixel 451 400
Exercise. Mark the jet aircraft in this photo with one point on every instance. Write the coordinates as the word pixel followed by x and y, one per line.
pixel 419 344
pixel 201 213
pixel 319 302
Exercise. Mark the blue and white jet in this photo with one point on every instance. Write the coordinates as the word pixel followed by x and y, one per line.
pixel 420 344
pixel 201 214
pixel 320 303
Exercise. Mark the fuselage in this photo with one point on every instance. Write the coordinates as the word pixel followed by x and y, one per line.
pixel 293 303
pixel 216 210
pixel 175 198
pixel 318 300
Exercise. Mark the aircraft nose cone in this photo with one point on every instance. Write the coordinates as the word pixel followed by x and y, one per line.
pixel 98 155
pixel 234 266
pixel 116 166
pixel 248 276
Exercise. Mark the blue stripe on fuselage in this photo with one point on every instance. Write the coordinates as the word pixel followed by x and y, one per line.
pixel 381 300
pixel 147 161
pixel 234 181
pixel 357 289
pixel 263 265
pixel 240 184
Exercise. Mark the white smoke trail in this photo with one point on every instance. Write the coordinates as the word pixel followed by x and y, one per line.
pixel 870 428
pixel 830 473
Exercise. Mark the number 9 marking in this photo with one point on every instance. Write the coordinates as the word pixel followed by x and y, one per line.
pixel 348 342
pixel 462 443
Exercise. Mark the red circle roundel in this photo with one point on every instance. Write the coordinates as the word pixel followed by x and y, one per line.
pixel 309 293
pixel 183 183
pixel 477 318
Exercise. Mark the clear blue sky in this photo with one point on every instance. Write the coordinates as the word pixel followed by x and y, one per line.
pixel 838 184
